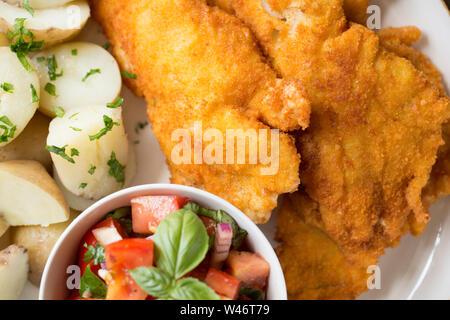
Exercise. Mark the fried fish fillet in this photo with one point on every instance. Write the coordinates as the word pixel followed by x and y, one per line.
pixel 355 10
pixel 399 41
pixel 375 126
pixel 314 266
pixel 197 64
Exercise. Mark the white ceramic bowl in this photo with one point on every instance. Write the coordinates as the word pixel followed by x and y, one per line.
pixel 53 284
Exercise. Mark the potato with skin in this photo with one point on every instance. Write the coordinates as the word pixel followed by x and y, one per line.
pixel 39 242
pixel 30 145
pixel 4 226
pixel 29 195
pixel 89 76
pixel 52 25
pixel 96 150
pixel 13 272
pixel 5 239
pixel 17 106
pixel 3 40
pixel 40 4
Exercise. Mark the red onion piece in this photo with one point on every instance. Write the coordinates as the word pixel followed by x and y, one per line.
pixel 222 245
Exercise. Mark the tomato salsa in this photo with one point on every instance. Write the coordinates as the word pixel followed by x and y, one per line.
pixel 167 247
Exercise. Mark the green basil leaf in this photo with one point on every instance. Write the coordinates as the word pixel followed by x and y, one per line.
pixel 220 216
pixel 181 243
pixel 153 281
pixel 192 289
pixel 93 284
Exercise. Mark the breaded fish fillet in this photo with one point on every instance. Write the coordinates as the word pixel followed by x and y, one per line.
pixel 314 266
pixel 375 127
pixel 399 41
pixel 194 64
pixel 356 10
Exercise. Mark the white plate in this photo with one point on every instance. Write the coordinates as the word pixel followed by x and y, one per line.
pixel 417 269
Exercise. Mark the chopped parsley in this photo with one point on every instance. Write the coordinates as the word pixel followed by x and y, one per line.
pixel 74 152
pixel 116 103
pixel 128 75
pixel 91 171
pixel 74 115
pixel 26 6
pixel 123 215
pixel 59 112
pixel 7 87
pixel 90 73
pixel 83 185
pixel 96 253
pixel 74 52
pixel 40 59
pixel 107 45
pixel 60 152
pixel 51 89
pixel 109 124
pixel 21 46
pixel 75 129
pixel 7 128
pixel 116 170
pixel 35 97
pixel 52 65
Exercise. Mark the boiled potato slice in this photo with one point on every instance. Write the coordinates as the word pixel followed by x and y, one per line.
pixel 79 203
pixel 40 4
pixel 99 88
pixel 49 25
pixel 13 272
pixel 39 242
pixel 74 202
pixel 3 40
pixel 108 154
pixel 16 105
pixel 29 196
pixel 30 145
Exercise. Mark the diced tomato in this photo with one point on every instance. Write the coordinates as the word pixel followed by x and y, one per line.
pixel 90 240
pixel 148 211
pixel 129 254
pixel 210 225
pixel 223 283
pixel 250 268
pixel 123 287
pixel 122 256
